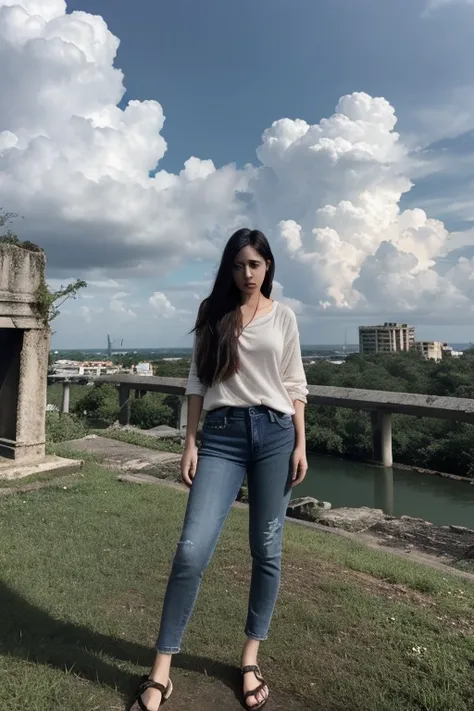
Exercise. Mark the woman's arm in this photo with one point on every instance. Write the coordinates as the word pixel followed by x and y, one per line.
pixel 195 392
pixel 299 462
pixel 298 419
pixel 195 403
pixel 293 373
pixel 294 380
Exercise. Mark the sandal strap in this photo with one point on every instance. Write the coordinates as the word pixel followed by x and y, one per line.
pixel 150 684
pixel 255 669
pixel 254 692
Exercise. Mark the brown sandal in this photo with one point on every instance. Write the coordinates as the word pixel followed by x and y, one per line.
pixel 253 692
pixel 148 683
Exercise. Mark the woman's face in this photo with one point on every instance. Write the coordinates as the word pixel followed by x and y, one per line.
pixel 249 270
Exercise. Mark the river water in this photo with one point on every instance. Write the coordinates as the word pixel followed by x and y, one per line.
pixel 396 491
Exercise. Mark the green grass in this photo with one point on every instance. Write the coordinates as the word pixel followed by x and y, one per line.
pixel 142 440
pixel 83 573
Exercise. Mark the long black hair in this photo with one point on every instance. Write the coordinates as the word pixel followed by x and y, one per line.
pixel 219 320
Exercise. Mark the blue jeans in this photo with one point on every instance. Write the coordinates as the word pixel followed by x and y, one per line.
pixel 258 442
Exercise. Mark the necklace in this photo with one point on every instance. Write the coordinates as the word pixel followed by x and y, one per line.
pixel 254 314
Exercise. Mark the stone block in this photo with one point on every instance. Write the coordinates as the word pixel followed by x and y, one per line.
pixel 307 508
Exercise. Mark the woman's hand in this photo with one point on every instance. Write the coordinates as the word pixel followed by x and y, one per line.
pixel 189 464
pixel 299 465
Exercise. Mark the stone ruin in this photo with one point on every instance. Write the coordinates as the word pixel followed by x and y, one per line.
pixel 24 349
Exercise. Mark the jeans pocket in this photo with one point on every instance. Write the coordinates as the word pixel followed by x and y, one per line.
pixel 284 421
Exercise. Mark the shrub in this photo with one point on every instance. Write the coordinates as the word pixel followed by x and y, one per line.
pixel 148 412
pixel 99 403
pixel 61 428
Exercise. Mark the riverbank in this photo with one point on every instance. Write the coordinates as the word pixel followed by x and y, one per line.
pixel 433 472
pixel 447 545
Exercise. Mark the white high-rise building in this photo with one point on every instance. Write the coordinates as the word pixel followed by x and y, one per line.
pixel 388 338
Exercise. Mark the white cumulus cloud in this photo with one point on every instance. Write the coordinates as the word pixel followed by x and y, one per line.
pixel 76 165
pixel 333 189
pixel 162 304
pixel 118 306
pixel 84 173
pixel 88 312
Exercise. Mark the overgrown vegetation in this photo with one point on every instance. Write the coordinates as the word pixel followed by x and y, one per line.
pixel 172 368
pixel 8 237
pixel 48 302
pixel 63 427
pixel 100 404
pixel 96 407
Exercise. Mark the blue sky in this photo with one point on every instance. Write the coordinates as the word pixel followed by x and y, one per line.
pixel 223 73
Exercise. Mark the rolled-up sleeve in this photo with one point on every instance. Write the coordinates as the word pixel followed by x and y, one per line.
pixel 194 385
pixel 293 374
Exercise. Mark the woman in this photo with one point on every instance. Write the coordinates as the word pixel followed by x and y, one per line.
pixel 247 373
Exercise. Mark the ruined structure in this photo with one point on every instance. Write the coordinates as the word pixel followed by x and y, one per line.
pixel 24 349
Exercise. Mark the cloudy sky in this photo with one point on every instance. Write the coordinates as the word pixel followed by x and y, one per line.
pixel 134 139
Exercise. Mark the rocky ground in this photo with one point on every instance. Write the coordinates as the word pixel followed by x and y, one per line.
pixel 453 545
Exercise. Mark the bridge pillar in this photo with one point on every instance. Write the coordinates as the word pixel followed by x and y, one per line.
pixel 125 405
pixel 382 437
pixel 66 397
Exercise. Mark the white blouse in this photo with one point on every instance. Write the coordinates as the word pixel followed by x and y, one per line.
pixel 271 368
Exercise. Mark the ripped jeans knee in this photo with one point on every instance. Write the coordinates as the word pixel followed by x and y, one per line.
pixel 271 533
pixel 266 545
pixel 190 558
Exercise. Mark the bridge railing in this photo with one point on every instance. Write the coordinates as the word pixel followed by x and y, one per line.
pixel 381 404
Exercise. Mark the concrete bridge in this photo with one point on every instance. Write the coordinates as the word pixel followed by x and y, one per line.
pixel 381 405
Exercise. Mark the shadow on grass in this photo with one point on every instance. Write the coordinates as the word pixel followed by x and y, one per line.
pixel 30 633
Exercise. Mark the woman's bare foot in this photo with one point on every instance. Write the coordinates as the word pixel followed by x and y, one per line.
pixel 250 681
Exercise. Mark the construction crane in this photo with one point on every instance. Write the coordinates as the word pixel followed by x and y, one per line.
pixel 110 345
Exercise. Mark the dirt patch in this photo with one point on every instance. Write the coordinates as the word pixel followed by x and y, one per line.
pixel 217 686
pixel 306 581
pixel 453 543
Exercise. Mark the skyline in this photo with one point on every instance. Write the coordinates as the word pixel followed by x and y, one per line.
pixel 133 143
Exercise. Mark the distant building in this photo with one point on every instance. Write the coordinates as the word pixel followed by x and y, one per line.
pixel 143 369
pixel 389 338
pixel 449 352
pixel 431 350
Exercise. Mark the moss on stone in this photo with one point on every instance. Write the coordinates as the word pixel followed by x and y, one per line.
pixel 13 240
